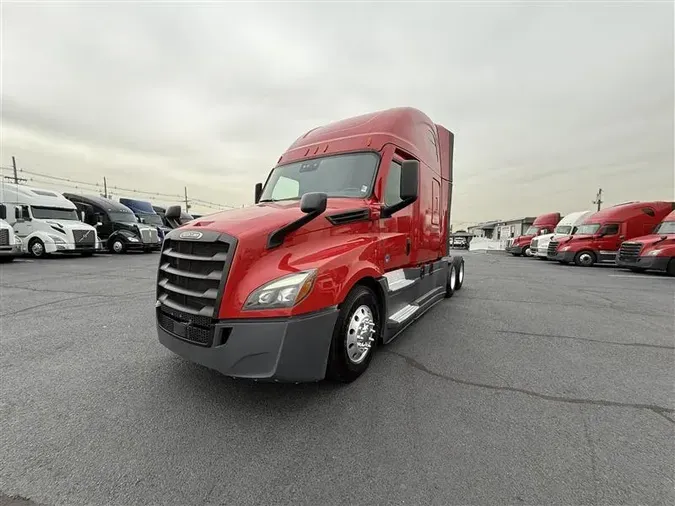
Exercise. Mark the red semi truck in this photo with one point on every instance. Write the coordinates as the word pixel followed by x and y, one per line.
pixel 544 224
pixel 655 251
pixel 346 246
pixel 598 238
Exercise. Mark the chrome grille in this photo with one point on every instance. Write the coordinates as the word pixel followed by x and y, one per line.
pixel 4 237
pixel 552 248
pixel 630 251
pixel 84 238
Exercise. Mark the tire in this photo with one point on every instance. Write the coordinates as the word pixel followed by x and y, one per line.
pixel 451 281
pixel 117 246
pixel 585 258
pixel 460 276
pixel 528 252
pixel 36 248
pixel 670 270
pixel 345 363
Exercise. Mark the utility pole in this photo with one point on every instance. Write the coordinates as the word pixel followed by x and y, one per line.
pixel 187 206
pixel 105 188
pixel 598 198
pixel 16 177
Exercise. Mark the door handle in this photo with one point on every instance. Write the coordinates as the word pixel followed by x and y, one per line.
pixel 407 246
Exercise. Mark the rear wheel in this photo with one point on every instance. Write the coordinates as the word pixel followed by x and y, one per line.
pixel 585 258
pixel 451 281
pixel 355 336
pixel 460 276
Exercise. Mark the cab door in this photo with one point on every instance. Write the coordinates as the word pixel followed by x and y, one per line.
pixel 396 231
pixel 24 221
pixel 609 241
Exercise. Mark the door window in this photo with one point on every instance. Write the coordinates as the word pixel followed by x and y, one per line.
pixel 610 229
pixel 392 190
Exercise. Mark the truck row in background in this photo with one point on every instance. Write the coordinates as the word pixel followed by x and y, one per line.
pixel 639 236
pixel 42 222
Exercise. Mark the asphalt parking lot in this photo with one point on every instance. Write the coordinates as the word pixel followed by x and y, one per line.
pixel 535 384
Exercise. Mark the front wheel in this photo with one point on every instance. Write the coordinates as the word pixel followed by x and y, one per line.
pixel 528 252
pixel 460 276
pixel 585 258
pixel 118 246
pixel 37 248
pixel 355 336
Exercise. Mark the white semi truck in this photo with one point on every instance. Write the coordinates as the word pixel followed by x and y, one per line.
pixel 10 244
pixel 46 222
pixel 567 226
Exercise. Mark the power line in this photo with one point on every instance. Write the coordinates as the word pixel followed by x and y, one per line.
pixel 97 187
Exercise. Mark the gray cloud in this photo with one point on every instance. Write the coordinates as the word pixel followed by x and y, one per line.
pixel 548 101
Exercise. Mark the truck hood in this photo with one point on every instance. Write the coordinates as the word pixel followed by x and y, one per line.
pixel 70 225
pixel 270 216
pixel 652 239
pixel 522 239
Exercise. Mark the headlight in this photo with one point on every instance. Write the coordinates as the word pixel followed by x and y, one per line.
pixel 132 239
pixel 56 239
pixel 286 291
pixel 654 252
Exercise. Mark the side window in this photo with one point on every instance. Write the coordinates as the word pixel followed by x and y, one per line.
pixel 392 190
pixel 286 188
pixel 25 213
pixel 611 229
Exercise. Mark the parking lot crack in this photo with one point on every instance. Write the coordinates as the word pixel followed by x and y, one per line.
pixel 587 339
pixel 660 410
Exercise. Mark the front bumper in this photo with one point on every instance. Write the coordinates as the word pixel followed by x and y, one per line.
pixel 565 256
pixel 11 251
pixel 68 247
pixel 646 262
pixel 290 350
pixel 515 250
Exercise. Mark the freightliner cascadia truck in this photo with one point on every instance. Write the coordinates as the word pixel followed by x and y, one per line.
pixel 567 226
pixel 544 224
pixel 654 252
pixel 598 238
pixel 346 246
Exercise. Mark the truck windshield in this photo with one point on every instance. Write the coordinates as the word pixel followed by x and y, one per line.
pixel 531 231
pixel 667 227
pixel 122 217
pixel 349 175
pixel 54 213
pixel 152 219
pixel 589 229
pixel 564 229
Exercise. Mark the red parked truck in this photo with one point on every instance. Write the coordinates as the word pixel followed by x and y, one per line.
pixel 598 238
pixel 544 224
pixel 346 246
pixel 655 251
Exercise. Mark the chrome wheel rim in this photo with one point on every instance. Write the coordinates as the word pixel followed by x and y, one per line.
pixel 117 247
pixel 360 332
pixel 528 252
pixel 37 249
pixel 586 259
pixel 461 273
pixel 453 278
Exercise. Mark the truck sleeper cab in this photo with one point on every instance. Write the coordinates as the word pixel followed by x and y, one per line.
pixel 10 244
pixel 542 225
pixel 46 222
pixel 116 224
pixel 172 223
pixel 654 252
pixel 598 238
pixel 567 226
pixel 346 246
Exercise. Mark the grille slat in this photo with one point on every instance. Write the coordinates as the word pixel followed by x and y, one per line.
pixel 552 248
pixel 190 279
pixel 630 251
pixel 4 237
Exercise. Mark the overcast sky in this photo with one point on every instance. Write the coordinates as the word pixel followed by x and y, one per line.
pixel 548 102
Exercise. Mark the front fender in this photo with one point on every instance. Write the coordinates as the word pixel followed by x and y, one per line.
pixel 119 234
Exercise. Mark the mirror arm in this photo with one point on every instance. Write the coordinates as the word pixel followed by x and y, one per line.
pixel 387 211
